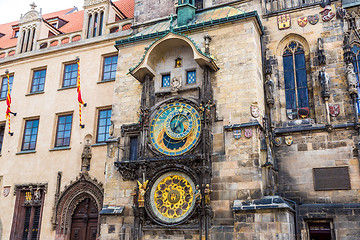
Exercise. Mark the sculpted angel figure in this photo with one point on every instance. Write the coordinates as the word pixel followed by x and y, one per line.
pixel 351 78
pixel 175 84
pixel 142 191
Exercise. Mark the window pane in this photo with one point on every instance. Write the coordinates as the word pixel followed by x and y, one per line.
pixel 191 77
pixel 290 99
pixel 104 123
pixel 70 75
pixel 165 80
pixel 303 98
pixel 30 135
pixel 63 131
pixel 301 78
pixel 38 81
pixel 288 63
pixel 289 80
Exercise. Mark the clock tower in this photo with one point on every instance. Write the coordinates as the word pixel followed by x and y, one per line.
pixel 167 151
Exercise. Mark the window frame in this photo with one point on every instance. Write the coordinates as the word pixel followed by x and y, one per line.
pixel 98 124
pixel 57 129
pixel 162 80
pixel 2 135
pixel 187 71
pixel 356 65
pixel 103 67
pixel 295 80
pixel 32 80
pixel 64 72
pixel 24 134
pixel 11 82
pixel 18 222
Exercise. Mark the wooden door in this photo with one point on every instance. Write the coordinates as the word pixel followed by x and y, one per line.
pixel 84 221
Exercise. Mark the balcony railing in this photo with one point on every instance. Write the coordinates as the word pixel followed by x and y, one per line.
pixel 277 6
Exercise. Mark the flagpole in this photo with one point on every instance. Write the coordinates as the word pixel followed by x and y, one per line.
pixel 80 101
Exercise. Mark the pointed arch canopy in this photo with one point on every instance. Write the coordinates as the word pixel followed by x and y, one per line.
pixel 83 187
pixel 157 49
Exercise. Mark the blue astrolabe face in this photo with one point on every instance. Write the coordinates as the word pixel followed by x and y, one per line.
pixel 175 129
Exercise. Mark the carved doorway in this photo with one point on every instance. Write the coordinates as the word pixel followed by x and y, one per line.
pixel 84 221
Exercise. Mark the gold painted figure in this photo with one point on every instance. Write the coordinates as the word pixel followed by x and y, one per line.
pixel 207 193
pixel 142 191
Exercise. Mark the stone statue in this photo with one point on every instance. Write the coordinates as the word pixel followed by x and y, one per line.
pixel 207 192
pixel 320 51
pixel 351 78
pixel 37 196
pixel 111 129
pixel 142 191
pixel 324 79
pixel 86 157
pixel 197 194
pixel 208 107
pixel 269 90
pixel 175 84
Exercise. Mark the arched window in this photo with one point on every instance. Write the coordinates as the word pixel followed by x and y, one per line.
pixel 101 23
pixel 89 27
pixel 356 62
pixel 95 24
pixel 296 89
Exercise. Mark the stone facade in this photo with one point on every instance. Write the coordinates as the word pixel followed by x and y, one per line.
pixel 259 168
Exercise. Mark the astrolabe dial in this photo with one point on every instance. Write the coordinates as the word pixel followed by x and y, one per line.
pixel 175 128
pixel 172 197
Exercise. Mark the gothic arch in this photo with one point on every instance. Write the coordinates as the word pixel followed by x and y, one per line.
pixel 292 37
pixel 83 187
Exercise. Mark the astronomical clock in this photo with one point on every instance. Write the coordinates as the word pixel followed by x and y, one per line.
pixel 168 151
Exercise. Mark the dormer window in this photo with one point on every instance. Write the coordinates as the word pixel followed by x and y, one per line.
pixel 27 39
pixel 15 33
pixel 95 24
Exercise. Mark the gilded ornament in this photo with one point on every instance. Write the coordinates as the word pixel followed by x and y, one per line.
pixel 277 141
pixel 142 191
pixel 173 196
pixel 175 129
pixel 289 140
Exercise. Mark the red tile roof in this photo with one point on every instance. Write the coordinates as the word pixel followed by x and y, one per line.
pixel 74 19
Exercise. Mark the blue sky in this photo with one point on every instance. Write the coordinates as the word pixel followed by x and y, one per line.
pixel 12 10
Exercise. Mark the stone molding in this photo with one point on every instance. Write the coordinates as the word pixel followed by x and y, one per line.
pixel 83 187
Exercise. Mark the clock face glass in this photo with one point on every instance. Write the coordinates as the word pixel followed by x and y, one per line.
pixel 172 197
pixel 175 128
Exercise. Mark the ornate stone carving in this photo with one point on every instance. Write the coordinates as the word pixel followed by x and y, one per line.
pixel 93 2
pixel 175 84
pixel 269 90
pixel 324 79
pixel 351 78
pixel 30 16
pixel 83 187
pixel 86 157
pixel 320 51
